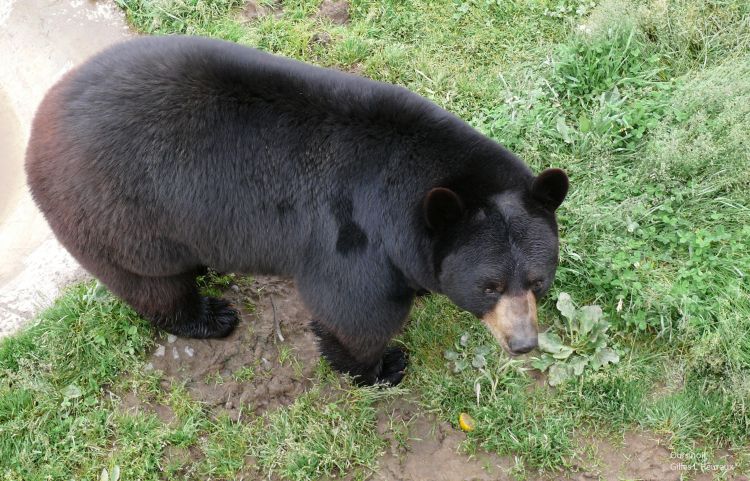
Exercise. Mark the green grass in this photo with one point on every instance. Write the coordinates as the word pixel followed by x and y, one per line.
pixel 646 104
pixel 62 415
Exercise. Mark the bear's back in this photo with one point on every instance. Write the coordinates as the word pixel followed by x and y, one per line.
pixel 243 157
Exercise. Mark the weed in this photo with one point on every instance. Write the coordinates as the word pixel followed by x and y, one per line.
pixel 583 345
pixel 245 374
pixel 214 378
pixel 461 358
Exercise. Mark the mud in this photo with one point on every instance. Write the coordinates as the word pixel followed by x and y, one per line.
pixel 253 10
pixel 335 11
pixel 11 155
pixel 421 448
pixel 39 40
pixel 253 369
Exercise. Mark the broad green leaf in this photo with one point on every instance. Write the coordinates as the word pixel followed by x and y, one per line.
pixel 598 330
pixel 484 350
pixel 584 124
pixel 72 391
pixel 479 361
pixel 565 306
pixel 460 365
pixel 558 373
pixel 588 316
pixel 593 344
pixel 603 357
pixel 542 362
pixel 450 355
pixel 550 342
pixel 564 353
pixel 577 364
pixel 464 339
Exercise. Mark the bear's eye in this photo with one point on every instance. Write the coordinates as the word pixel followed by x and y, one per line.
pixel 537 285
pixel 494 288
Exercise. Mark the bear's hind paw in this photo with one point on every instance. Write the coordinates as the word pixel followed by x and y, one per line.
pixel 393 368
pixel 217 319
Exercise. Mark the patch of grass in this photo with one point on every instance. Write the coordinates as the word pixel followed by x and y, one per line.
pixel 694 34
pixel 54 418
pixel 193 17
pixel 321 434
pixel 511 418
pixel 245 374
pixel 60 418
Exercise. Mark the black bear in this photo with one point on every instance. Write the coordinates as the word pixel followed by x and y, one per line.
pixel 163 155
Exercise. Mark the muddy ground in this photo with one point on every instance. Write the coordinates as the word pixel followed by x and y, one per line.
pixel 421 448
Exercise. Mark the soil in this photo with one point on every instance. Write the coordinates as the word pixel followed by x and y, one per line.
pixel 335 11
pixel 419 446
pixel 213 369
pixel 253 10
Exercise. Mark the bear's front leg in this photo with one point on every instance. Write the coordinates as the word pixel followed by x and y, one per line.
pixel 369 360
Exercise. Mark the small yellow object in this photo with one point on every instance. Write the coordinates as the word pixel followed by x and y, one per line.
pixel 466 422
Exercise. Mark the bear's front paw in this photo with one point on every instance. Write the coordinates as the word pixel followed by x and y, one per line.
pixel 393 367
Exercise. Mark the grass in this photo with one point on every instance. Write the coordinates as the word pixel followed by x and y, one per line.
pixel 62 415
pixel 646 104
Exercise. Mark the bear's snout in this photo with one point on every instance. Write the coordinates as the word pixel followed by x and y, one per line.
pixel 513 323
pixel 522 345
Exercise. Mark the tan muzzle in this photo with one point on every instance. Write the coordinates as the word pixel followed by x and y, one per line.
pixel 513 322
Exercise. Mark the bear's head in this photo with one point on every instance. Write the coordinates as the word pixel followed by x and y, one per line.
pixel 497 257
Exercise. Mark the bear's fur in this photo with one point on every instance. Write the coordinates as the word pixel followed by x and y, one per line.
pixel 163 155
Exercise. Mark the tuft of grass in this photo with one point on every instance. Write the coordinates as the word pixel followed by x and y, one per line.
pixel 693 35
pixel 213 283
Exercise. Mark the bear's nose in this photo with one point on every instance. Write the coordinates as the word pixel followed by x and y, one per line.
pixel 522 345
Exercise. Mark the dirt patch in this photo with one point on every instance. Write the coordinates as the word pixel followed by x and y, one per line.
pixel 130 402
pixel 322 38
pixel 643 456
pixel 421 448
pixel 335 11
pixel 252 370
pixel 253 10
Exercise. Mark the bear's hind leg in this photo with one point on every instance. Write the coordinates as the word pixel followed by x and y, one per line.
pixel 172 303
pixel 375 362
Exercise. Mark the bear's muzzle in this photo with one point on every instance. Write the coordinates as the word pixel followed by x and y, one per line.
pixel 513 322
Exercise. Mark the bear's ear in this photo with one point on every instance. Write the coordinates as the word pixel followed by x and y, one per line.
pixel 441 208
pixel 550 188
